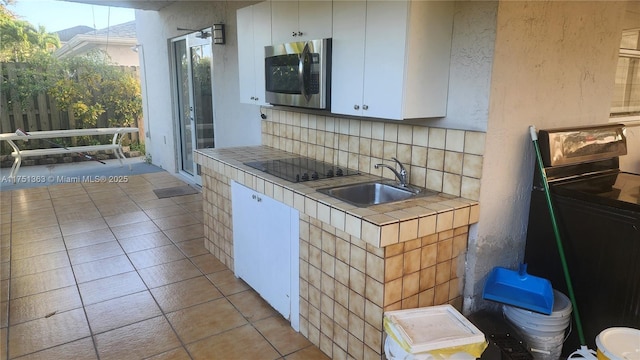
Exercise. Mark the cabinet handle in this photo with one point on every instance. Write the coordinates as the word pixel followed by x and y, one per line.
pixel 259 199
pixel 365 107
pixel 256 98
pixel 294 34
pixel 356 107
pixel 300 33
pixel 254 197
pixel 253 98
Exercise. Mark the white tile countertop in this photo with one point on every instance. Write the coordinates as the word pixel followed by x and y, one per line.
pixel 378 225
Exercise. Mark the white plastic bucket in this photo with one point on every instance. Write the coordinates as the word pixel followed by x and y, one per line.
pixel 544 334
pixel 618 343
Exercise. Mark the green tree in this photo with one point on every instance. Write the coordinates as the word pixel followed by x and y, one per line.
pixel 20 40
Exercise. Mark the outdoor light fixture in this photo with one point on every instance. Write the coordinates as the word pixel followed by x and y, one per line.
pixel 218 34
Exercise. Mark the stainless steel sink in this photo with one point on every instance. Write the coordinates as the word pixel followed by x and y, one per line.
pixel 374 193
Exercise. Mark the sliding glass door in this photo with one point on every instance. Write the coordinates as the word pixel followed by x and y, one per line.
pixel 194 101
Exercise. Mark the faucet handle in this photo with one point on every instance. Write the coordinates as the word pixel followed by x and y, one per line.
pixel 402 169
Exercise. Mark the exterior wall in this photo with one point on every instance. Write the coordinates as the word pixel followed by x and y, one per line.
pixel 553 66
pixel 121 55
pixel 235 124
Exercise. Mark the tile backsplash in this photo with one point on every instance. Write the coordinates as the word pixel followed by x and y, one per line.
pixel 444 160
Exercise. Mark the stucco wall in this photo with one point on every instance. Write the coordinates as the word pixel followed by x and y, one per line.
pixel 553 66
pixel 235 124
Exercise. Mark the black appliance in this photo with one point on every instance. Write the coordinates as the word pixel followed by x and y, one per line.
pixel 598 212
pixel 298 169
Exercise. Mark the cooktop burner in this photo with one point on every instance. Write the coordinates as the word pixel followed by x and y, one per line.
pixel 299 169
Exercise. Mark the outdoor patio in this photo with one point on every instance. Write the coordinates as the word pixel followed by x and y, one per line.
pixel 108 270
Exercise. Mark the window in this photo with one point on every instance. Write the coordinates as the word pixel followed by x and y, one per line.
pixel 626 97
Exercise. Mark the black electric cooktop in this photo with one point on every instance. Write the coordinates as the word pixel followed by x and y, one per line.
pixel 298 169
pixel 620 190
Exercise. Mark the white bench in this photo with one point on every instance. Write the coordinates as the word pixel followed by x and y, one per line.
pixel 18 154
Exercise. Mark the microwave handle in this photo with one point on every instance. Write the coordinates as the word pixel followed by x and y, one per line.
pixel 302 71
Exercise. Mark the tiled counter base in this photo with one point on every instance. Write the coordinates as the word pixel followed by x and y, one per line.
pixel 351 269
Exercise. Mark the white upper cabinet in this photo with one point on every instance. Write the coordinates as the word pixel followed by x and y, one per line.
pixel 254 33
pixel 300 20
pixel 391 58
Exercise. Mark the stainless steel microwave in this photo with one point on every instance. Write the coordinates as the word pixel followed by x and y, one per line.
pixel 298 74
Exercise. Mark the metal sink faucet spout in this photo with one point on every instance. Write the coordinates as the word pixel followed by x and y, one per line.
pixel 402 175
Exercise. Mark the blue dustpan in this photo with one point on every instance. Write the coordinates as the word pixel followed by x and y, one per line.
pixel 519 289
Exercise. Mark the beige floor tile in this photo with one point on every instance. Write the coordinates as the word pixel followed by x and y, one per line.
pixel 184 233
pixel 208 263
pixel 155 256
pixel 175 221
pixel 5 268
pixel 118 312
pixel 104 196
pixel 118 208
pixel 110 288
pixel 187 198
pixel 191 248
pixel 82 349
pixel 137 341
pixel 128 218
pixel 40 305
pixel 227 282
pixel 198 322
pixel 44 333
pixel 31 205
pixel 308 353
pixel 165 211
pixel 67 200
pixel 41 282
pixel 95 252
pixel 4 315
pixel 72 215
pixel 228 346
pixel 102 268
pixel 37 248
pixel 251 305
pixel 4 290
pixel 40 263
pixel 193 206
pixel 35 194
pixel 35 221
pixel 175 354
pixel 168 273
pixel 185 293
pixel 88 238
pixel 127 231
pixel 155 203
pixel 81 226
pixel 3 344
pixel 144 242
pixel 279 333
pixel 21 236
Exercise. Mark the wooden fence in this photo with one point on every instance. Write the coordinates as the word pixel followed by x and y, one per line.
pixel 41 112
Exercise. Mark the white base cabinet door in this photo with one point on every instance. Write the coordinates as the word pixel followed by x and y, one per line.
pixel 266 249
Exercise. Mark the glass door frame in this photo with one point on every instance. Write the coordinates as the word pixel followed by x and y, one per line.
pixel 190 40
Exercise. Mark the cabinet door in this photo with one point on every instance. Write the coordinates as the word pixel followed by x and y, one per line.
pixel 261 38
pixel 284 21
pixel 385 54
pixel 314 19
pixel 266 250
pixel 347 68
pixel 246 55
pixel 254 32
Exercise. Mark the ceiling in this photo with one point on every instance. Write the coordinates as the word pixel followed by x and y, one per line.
pixel 132 4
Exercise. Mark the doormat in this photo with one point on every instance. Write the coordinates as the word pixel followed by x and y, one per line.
pixel 175 191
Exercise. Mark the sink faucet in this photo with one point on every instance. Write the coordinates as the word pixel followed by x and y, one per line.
pixel 402 175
